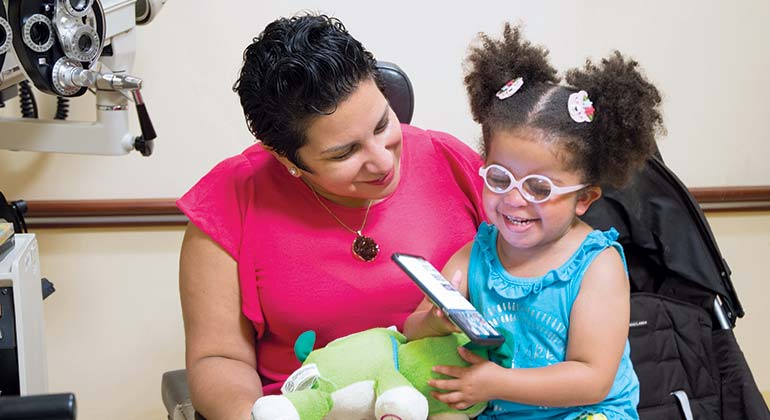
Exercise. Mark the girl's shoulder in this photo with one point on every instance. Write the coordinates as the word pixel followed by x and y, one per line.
pixel 591 245
pixel 460 260
pixel 462 256
pixel 607 269
pixel 585 238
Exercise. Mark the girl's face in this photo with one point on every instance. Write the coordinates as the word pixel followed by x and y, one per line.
pixel 355 152
pixel 526 226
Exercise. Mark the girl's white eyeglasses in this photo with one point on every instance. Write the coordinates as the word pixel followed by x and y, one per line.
pixel 534 188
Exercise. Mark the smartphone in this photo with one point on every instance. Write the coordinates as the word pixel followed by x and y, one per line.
pixel 456 307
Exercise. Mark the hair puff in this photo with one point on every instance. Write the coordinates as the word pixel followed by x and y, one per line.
pixel 627 117
pixel 493 63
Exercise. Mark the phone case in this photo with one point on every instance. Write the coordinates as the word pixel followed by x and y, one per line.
pixel 467 319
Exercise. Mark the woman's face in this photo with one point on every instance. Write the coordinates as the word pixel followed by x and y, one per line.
pixel 355 152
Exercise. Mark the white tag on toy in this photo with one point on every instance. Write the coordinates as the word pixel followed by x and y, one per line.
pixel 302 378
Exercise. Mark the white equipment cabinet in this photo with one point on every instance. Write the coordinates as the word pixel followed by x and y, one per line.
pixel 20 270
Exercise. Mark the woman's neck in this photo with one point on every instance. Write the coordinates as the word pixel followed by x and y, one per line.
pixel 352 202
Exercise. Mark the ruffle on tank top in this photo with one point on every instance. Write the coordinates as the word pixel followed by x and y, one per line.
pixel 513 287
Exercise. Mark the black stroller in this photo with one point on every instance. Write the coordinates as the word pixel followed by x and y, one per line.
pixel 683 304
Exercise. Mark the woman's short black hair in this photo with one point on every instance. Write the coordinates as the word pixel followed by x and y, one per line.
pixel 298 68
pixel 607 150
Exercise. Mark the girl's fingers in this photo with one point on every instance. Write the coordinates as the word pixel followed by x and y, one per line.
pixel 460 406
pixel 452 399
pixel 447 325
pixel 470 356
pixel 453 371
pixel 444 384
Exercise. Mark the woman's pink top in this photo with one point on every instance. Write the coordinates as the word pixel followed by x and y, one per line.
pixel 295 265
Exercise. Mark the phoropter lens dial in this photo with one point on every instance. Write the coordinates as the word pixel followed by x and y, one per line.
pixel 69 77
pixel 37 33
pixel 80 43
pixel 77 8
pixel 77 36
pixel 6 36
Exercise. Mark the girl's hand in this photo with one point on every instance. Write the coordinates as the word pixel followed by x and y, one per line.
pixel 437 319
pixel 466 385
pixel 428 320
pixel 438 322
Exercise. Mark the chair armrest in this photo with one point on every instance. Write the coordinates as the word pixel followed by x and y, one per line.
pixel 38 407
pixel 174 390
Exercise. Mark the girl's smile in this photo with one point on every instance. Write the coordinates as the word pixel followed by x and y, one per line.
pixel 523 225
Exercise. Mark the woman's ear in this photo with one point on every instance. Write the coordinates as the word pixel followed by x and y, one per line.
pixel 292 168
pixel 586 197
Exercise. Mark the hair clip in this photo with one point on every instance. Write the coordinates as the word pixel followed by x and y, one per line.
pixel 581 109
pixel 510 88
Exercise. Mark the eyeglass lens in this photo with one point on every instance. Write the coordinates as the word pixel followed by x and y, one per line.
pixel 534 187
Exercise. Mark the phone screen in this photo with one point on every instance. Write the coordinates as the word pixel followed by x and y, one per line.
pixel 459 310
pixel 436 284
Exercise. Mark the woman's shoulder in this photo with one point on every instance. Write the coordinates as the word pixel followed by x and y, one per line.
pixel 237 171
pixel 440 147
pixel 434 140
pixel 243 163
pixel 224 190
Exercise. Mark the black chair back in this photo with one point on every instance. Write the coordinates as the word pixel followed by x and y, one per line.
pixel 397 89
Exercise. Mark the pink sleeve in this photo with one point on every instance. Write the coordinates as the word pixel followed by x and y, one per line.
pixel 464 163
pixel 216 204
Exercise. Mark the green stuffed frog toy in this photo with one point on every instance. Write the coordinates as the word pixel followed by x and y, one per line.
pixel 373 374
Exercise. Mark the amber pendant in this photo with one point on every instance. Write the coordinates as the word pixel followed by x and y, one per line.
pixel 365 248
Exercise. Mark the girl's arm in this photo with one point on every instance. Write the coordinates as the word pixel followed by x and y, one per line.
pixel 428 320
pixel 597 337
pixel 219 340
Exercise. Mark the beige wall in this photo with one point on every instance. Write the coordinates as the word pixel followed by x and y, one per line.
pixel 744 240
pixel 708 58
pixel 114 324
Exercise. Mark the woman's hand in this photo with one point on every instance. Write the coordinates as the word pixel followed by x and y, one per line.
pixel 466 386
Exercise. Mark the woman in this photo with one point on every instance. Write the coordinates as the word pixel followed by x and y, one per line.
pixel 296 232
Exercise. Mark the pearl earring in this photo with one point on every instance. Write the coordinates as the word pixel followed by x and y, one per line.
pixel 294 171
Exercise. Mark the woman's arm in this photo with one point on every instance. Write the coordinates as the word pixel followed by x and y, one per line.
pixel 428 320
pixel 219 340
pixel 597 337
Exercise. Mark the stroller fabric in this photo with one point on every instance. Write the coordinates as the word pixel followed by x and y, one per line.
pixel 689 363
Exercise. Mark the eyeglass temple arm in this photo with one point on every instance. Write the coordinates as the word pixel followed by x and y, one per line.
pixel 565 190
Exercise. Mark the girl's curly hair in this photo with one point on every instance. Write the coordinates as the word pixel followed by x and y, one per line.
pixel 607 150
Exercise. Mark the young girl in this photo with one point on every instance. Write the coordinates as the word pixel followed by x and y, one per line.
pixel 557 289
